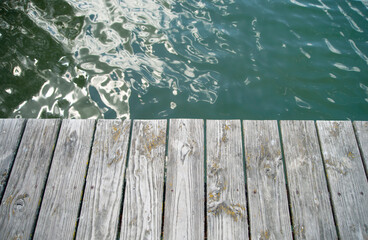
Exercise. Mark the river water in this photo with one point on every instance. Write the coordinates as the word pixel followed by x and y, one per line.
pixel 248 59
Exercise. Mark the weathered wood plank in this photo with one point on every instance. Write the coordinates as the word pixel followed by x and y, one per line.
pixel 226 199
pixel 61 201
pixel 20 204
pixel 361 129
pixel 99 217
pixel 268 203
pixel 10 134
pixel 142 211
pixel 309 197
pixel 184 207
pixel 346 177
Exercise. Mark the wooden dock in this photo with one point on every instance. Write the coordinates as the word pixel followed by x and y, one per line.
pixel 183 179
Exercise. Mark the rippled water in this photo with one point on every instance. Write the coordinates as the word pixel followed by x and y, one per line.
pixel 250 59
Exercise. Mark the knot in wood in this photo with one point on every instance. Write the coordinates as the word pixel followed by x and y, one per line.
pixel 73 137
pixel 18 236
pixel 20 203
pixel 186 149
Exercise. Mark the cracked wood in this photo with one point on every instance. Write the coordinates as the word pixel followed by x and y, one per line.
pixel 268 203
pixel 19 207
pixel 184 202
pixel 99 217
pixel 63 193
pixel 226 199
pixel 142 212
pixel 309 196
pixel 346 177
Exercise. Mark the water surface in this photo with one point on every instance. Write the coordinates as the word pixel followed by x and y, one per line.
pixel 249 59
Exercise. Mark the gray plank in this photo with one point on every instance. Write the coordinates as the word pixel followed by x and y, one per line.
pixel 309 197
pixel 184 202
pixel 99 216
pixel 142 211
pixel 23 194
pixel 61 201
pixel 361 130
pixel 226 199
pixel 10 134
pixel 346 177
pixel 268 203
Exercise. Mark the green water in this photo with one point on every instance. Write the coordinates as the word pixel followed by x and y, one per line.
pixel 248 59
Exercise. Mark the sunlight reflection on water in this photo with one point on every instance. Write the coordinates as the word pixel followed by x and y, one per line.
pixel 112 58
pixel 115 52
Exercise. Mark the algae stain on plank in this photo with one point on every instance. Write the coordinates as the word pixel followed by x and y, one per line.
pixel 226 203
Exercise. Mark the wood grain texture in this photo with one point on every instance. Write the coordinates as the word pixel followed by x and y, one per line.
pixel 61 201
pixel 99 218
pixel 184 206
pixel 268 203
pixel 142 211
pixel 361 130
pixel 19 208
pixel 226 199
pixel 346 177
pixel 309 196
pixel 10 134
